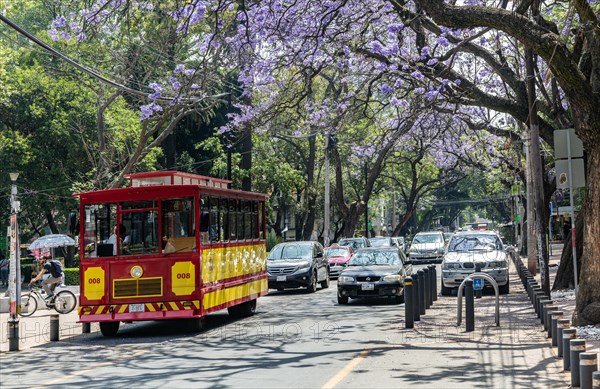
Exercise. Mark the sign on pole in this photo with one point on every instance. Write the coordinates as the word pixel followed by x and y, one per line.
pixel 477 283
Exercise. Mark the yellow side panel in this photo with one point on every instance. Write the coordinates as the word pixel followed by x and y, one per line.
pixel 222 296
pixel 183 278
pixel 93 281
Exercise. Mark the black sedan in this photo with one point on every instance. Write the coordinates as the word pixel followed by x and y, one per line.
pixel 374 272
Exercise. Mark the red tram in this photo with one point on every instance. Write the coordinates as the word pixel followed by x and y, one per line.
pixel 172 245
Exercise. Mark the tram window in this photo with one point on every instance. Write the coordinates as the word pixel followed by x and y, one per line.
pixel 178 223
pixel 261 207
pixel 100 221
pixel 204 219
pixel 240 220
pixel 141 232
pixel 248 218
pixel 224 219
pixel 254 220
pixel 215 236
pixel 232 220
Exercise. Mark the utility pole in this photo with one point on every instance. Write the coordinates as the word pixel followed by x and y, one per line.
pixel 14 283
pixel 366 201
pixel 326 210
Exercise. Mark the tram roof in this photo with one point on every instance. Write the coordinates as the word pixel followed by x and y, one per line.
pixel 169 181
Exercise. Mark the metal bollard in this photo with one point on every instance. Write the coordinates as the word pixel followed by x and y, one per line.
pixel 433 284
pixel 541 309
pixel 536 292
pixel 478 292
pixel 86 327
pixel 54 328
pixel 588 364
pixel 547 309
pixel 426 287
pixel 421 274
pixel 577 347
pixel 561 324
pixel 596 380
pixel 554 327
pixel 13 335
pixel 552 315
pixel 416 310
pixel 408 303
pixel 568 335
pixel 469 306
pixel 538 298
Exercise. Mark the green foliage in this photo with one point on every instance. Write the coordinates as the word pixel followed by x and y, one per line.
pixel 272 240
pixel 72 276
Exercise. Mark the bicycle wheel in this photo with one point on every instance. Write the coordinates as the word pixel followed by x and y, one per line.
pixel 28 304
pixel 65 301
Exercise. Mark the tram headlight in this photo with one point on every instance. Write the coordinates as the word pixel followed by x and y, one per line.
pixel 136 271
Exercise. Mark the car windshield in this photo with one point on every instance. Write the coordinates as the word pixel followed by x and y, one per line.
pixel 474 243
pixel 355 244
pixel 291 251
pixel 380 242
pixel 336 252
pixel 375 258
pixel 428 238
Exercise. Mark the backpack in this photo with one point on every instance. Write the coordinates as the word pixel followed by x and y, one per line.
pixel 56 268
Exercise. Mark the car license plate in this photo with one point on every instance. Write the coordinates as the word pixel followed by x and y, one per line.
pixel 367 286
pixel 281 278
pixel 136 308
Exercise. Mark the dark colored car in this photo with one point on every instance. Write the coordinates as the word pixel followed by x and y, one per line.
pixel 374 272
pixel 338 258
pixel 382 241
pixel 296 265
pixel 356 243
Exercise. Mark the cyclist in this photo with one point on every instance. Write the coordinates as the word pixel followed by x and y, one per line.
pixel 55 269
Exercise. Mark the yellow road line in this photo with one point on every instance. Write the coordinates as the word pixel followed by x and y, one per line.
pixel 336 379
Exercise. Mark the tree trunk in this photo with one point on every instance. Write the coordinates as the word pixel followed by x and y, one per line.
pixel 588 297
pixel 246 163
pixel 564 275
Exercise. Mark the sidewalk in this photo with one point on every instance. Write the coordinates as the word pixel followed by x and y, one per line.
pixel 35 330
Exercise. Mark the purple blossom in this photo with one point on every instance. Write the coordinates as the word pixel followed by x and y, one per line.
pixel 457 81
pixel 399 82
pixel 179 68
pixel 148 110
pixel 420 90
pixel 395 27
pixel 189 72
pixel 417 75
pixel 175 83
pixel 432 62
pixel 65 35
pixel 424 52
pixel 442 41
pixel 155 87
pixel 385 89
pixel 59 22
pixel 53 34
pixel 376 47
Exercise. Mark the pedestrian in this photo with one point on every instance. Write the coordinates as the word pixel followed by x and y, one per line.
pixel 566 230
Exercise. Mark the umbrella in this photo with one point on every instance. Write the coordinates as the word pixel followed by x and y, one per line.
pixel 51 241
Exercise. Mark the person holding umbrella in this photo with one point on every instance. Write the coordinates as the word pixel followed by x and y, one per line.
pixel 55 269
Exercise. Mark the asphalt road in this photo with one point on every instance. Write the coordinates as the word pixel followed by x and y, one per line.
pixel 296 340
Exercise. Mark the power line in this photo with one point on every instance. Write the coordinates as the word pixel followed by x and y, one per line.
pixel 90 72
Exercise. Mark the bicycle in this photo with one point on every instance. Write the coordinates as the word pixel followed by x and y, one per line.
pixel 63 301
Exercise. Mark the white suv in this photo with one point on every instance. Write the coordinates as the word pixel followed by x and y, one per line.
pixel 469 250
pixel 427 247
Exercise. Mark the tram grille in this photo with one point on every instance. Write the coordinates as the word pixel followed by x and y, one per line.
pixel 142 287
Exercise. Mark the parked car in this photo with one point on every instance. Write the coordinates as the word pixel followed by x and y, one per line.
pixel 356 243
pixel 382 241
pixel 338 258
pixel 469 249
pixel 427 247
pixel 297 264
pixel 374 272
pixel 400 242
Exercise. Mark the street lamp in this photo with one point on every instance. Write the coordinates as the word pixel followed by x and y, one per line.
pixel 15 268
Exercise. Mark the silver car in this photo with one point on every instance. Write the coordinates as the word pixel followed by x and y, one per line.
pixel 470 250
pixel 427 247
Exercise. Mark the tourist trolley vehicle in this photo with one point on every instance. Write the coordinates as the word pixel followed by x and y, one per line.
pixel 172 245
